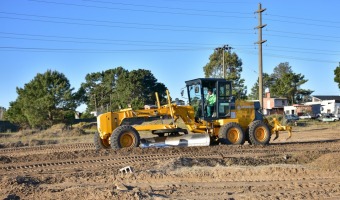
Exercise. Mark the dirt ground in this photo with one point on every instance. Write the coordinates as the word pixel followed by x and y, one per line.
pixel 63 164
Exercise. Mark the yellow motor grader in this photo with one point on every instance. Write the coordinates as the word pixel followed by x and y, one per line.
pixel 232 122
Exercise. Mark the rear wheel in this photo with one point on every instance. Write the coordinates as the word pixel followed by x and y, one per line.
pixel 100 143
pixel 124 136
pixel 231 133
pixel 259 133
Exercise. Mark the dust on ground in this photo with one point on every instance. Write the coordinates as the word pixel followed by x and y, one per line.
pixel 61 163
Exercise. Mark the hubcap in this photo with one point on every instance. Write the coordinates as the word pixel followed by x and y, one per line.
pixel 260 134
pixel 106 142
pixel 127 139
pixel 233 135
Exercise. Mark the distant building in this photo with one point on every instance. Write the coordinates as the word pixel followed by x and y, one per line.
pixel 319 104
pixel 298 109
pixel 273 105
pixel 320 98
pixel 329 103
pixel 77 115
pixel 95 113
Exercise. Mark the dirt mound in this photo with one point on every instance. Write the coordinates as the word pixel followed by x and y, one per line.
pixel 13 144
pixel 86 125
pixel 27 132
pixel 330 161
pixel 36 142
pixel 75 132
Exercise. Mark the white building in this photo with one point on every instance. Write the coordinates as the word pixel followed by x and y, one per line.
pixel 329 104
pixel 290 110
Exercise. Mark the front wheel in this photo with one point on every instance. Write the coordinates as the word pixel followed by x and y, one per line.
pixel 124 136
pixel 259 133
pixel 100 143
pixel 231 133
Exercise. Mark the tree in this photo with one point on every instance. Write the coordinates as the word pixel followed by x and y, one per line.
pixel 45 100
pixel 280 70
pixel 283 82
pixel 288 84
pixel 98 88
pixel 267 81
pixel 233 64
pixel 118 88
pixel 15 114
pixel 337 75
pixel 143 87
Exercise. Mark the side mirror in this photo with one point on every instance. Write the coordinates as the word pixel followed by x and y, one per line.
pixel 182 92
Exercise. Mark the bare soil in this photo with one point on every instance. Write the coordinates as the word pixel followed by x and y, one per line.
pixel 63 164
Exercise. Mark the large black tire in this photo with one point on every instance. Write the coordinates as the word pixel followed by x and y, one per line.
pixel 231 133
pixel 124 136
pixel 259 133
pixel 99 143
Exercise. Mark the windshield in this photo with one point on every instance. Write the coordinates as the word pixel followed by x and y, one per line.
pixel 194 94
pixel 195 98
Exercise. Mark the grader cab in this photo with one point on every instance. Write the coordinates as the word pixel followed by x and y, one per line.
pixel 229 121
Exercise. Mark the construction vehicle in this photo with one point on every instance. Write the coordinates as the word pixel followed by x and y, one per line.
pixel 232 122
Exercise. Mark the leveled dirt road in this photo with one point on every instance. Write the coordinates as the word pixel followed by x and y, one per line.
pixel 305 167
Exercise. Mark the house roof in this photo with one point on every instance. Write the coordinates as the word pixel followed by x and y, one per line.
pixel 327 97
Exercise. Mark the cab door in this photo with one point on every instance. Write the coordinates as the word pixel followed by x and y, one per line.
pixel 224 99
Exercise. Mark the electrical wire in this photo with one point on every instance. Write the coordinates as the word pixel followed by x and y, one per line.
pixel 163 7
pixel 138 10
pixel 301 18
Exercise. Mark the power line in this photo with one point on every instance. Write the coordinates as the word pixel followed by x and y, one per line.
pixel 307 52
pixel 304 38
pixel 291 57
pixel 317 50
pixel 309 24
pixel 301 18
pixel 209 2
pixel 163 7
pixel 153 50
pixel 308 34
pixel 118 22
pixel 156 26
pixel 136 10
pixel 178 45
pixel 68 50
pixel 189 29
pixel 108 40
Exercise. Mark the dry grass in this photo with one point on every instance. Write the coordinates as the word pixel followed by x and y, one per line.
pixel 83 133
pixel 57 134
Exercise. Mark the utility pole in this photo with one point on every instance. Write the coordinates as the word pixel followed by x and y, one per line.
pixel 260 42
pixel 223 48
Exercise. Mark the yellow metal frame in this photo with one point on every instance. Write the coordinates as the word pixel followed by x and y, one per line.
pixel 244 114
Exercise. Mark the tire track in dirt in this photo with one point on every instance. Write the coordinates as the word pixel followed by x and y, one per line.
pixel 91 163
pixel 218 172
pixel 243 183
pixel 111 160
pixel 278 148
pixel 43 149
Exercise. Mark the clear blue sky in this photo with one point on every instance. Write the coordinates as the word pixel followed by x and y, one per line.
pixel 172 38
